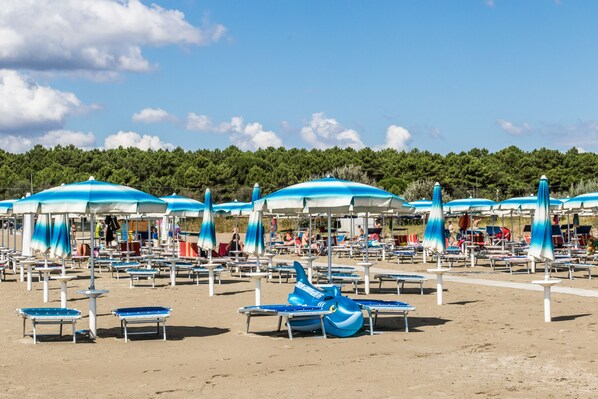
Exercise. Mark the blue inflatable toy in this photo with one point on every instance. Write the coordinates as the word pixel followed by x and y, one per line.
pixel 346 317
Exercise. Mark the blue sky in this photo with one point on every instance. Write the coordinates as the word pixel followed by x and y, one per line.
pixel 434 75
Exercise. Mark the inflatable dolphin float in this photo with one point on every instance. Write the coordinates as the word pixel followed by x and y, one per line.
pixel 346 317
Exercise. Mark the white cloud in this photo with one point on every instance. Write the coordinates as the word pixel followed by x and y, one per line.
pixel 53 138
pixel 27 106
pixel 249 136
pixel 253 136
pixel 397 138
pixel 322 133
pixel 513 129
pixel 152 115
pixel 99 35
pixel 133 139
pixel 15 144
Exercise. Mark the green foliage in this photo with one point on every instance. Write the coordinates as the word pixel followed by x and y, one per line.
pixel 231 173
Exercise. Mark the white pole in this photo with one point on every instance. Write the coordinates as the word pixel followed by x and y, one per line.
pixel 547 317
pixel 258 291
pixel 329 243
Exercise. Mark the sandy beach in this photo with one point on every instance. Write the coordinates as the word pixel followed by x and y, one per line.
pixel 484 342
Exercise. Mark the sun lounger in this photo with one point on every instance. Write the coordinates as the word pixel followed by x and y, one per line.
pixel 401 279
pixel 121 267
pixel 301 318
pixel 138 273
pixel 404 254
pixel 199 271
pixel 376 306
pixel 58 316
pixel 142 315
pixel 341 278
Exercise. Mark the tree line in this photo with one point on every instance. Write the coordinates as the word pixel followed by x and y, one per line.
pixel 230 173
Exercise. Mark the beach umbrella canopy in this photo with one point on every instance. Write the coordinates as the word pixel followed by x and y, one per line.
pixel 207 234
pixel 60 245
pixel 42 234
pixel 541 247
pixel 254 238
pixel 421 206
pixel 331 195
pixel 234 208
pixel 91 197
pixel 468 205
pixel 434 236
pixel 181 206
pixel 584 201
pixel 523 204
pixel 6 206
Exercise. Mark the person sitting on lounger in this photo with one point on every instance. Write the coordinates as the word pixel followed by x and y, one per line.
pixel 288 238
pixel 359 235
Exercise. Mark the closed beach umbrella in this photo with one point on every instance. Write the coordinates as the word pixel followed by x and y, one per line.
pixel 254 238
pixel 42 234
pixel 434 236
pixel 207 234
pixel 60 246
pixel 541 247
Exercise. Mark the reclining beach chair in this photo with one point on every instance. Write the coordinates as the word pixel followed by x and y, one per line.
pixel 39 316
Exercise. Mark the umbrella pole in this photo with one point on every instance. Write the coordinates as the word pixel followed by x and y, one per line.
pixel 367 243
pixel 127 237
pixel 14 232
pixel 92 283
pixel 329 243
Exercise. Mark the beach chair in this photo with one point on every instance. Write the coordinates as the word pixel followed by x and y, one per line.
pixel 142 315
pixel 48 316
pixel 374 307
pixel 139 273
pixel 298 317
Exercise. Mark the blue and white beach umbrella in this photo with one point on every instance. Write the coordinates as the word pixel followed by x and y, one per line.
pixel 207 234
pixel 523 204
pixel 469 205
pixel 541 247
pixel 584 201
pixel 254 238
pixel 421 206
pixel 434 236
pixel 233 208
pixel 60 246
pixel 331 196
pixel 6 206
pixel 5 212
pixel 42 234
pixel 179 205
pixel 91 197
